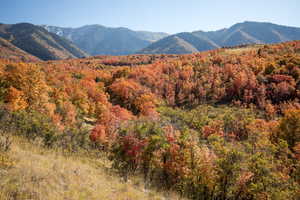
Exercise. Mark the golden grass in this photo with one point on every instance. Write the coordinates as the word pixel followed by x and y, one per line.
pixel 238 51
pixel 42 174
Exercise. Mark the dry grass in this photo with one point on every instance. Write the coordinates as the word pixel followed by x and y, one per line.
pixel 42 174
pixel 238 51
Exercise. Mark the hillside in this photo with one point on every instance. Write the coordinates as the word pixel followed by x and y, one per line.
pixel 39 42
pixel 13 53
pixel 238 34
pixel 101 40
pixel 32 171
pixel 220 124
pixel 170 45
pixel 182 43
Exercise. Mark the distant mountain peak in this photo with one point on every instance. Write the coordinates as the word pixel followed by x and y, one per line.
pixel 97 39
pixel 100 40
pixel 247 32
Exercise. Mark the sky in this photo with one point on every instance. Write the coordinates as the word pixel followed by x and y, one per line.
pixel 171 16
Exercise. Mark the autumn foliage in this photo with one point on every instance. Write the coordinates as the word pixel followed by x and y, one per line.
pixel 220 124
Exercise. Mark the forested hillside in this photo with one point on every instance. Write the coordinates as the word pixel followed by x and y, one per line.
pixel 221 124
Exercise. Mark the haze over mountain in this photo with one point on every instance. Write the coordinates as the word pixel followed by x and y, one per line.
pixel 238 34
pixel 101 40
pixel 51 42
pixel 39 42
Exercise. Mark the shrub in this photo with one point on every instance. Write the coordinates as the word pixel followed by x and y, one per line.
pixel 74 140
pixel 30 124
pixel 289 128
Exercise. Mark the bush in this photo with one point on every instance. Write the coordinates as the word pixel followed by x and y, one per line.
pixel 133 150
pixel 289 128
pixel 30 124
pixel 74 140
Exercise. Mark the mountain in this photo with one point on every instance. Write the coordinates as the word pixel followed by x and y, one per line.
pixel 39 42
pixel 171 45
pixel 52 42
pixel 101 40
pixel 181 43
pixel 13 53
pixel 151 36
pixel 238 34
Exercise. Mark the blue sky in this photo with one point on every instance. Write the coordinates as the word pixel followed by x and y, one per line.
pixel 170 16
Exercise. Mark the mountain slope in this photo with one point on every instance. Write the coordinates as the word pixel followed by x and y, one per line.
pixel 39 42
pixel 151 36
pixel 239 37
pixel 13 53
pixel 181 43
pixel 170 45
pixel 255 32
pixel 200 43
pixel 100 40
pixel 240 33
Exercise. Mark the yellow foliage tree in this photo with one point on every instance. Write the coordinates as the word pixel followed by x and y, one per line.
pixel 15 99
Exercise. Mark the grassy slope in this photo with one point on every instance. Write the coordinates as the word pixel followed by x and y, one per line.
pixel 38 173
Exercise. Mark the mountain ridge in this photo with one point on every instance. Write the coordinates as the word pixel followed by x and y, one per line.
pixel 53 42
pixel 97 39
pixel 248 32
pixel 37 41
